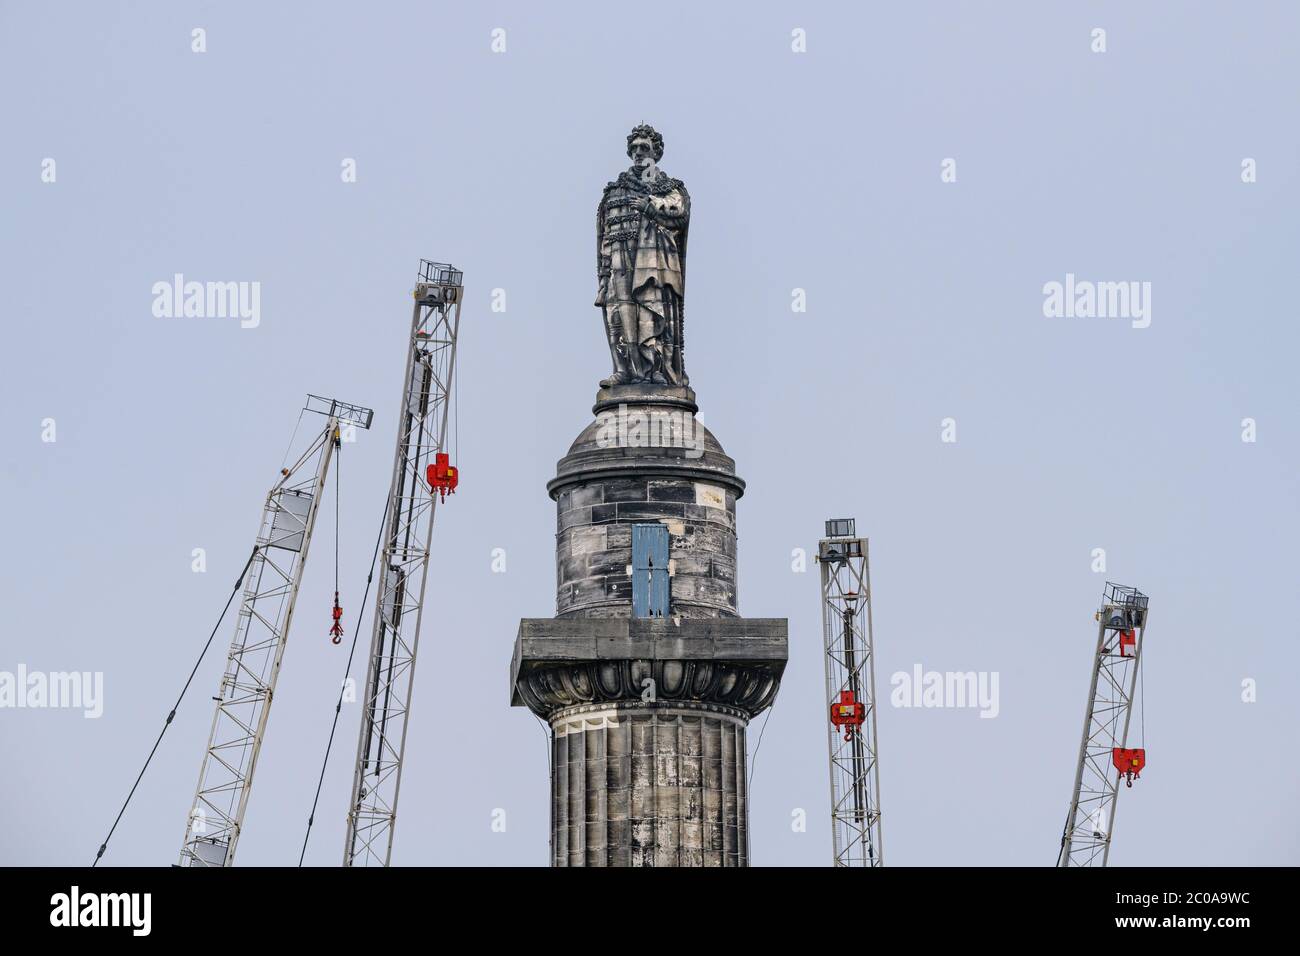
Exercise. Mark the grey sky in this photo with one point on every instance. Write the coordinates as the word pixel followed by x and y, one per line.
pixel 818 171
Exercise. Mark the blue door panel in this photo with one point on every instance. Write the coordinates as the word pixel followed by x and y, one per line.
pixel 650 587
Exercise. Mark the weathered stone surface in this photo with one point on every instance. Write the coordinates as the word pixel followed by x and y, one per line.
pixel 641 226
pixel 657 782
pixel 635 786
pixel 594 539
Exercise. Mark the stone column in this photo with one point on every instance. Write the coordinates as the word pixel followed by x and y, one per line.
pixel 648 716
pixel 639 787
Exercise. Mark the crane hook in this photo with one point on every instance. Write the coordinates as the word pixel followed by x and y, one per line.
pixel 336 632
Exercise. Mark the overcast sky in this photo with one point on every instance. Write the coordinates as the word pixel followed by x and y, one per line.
pixel 818 171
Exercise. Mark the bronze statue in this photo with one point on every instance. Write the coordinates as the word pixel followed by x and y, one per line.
pixel 641 227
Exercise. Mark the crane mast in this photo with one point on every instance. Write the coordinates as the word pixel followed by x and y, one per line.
pixel 421 448
pixel 851 695
pixel 1104 755
pixel 247 687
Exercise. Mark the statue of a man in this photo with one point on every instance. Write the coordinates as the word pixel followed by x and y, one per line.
pixel 641 229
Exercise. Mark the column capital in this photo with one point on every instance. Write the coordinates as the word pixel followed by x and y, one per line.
pixel 735 663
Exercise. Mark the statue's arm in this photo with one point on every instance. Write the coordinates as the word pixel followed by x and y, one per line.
pixel 673 211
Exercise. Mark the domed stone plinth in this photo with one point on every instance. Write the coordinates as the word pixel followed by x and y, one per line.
pixel 645 458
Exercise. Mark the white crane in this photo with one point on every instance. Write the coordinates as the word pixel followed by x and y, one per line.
pixel 851 696
pixel 271 584
pixel 420 465
pixel 1104 755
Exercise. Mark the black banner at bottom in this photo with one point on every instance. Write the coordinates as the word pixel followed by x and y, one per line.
pixel 334 907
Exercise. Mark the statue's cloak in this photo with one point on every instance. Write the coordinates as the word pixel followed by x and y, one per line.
pixel 641 263
pixel 658 253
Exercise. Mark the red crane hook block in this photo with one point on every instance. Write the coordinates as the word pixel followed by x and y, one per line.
pixel 1127 639
pixel 443 476
pixel 848 713
pixel 336 632
pixel 1129 761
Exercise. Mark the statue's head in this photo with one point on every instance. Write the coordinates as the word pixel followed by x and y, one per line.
pixel 645 146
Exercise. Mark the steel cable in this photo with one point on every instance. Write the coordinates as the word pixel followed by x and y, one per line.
pixel 172 714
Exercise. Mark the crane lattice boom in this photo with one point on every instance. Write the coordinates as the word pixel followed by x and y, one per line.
pixel 1104 757
pixel 421 438
pixel 851 696
pixel 247 687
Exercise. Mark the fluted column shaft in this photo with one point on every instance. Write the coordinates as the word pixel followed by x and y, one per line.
pixel 648 785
